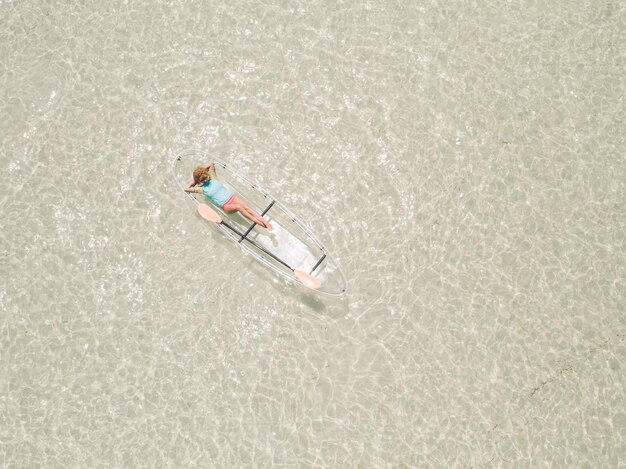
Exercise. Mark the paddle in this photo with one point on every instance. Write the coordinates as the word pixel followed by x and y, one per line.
pixel 211 215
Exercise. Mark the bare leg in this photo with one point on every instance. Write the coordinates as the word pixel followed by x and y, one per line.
pixel 240 205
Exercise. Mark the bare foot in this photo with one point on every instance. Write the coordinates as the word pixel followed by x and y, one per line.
pixel 266 228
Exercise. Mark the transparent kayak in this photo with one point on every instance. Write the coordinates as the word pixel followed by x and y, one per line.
pixel 290 246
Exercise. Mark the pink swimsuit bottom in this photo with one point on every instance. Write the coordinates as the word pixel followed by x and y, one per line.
pixel 229 201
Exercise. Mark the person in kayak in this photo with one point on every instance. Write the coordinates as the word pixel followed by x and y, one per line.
pixel 206 178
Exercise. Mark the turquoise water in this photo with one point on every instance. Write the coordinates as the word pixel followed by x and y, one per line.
pixel 463 161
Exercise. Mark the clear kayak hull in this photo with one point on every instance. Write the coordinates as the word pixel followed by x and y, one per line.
pixel 290 243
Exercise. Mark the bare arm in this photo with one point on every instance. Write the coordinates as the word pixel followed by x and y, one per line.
pixel 211 167
pixel 198 190
pixel 191 188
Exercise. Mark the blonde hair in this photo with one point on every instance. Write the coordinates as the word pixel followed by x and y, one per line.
pixel 200 174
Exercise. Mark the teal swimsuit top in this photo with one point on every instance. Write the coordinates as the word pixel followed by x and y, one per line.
pixel 216 191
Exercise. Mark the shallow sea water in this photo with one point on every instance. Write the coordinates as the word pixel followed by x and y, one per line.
pixel 464 161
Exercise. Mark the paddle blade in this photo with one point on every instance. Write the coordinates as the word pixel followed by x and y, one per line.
pixel 307 280
pixel 209 214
